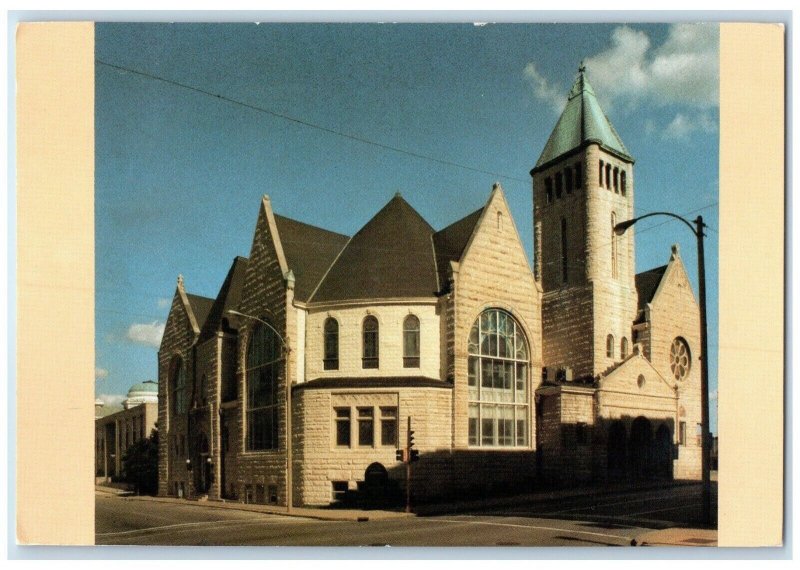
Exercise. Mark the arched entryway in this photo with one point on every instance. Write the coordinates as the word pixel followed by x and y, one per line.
pixel 374 489
pixel 616 449
pixel 662 452
pixel 640 447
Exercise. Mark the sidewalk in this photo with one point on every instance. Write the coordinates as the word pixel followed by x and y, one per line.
pixel 677 537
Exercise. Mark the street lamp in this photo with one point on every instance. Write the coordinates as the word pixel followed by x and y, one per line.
pixel 288 404
pixel 697 230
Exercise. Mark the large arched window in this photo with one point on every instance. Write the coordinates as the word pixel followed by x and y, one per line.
pixel 498 381
pixel 623 348
pixel 264 361
pixel 178 384
pixel 369 356
pixel 331 357
pixel 411 342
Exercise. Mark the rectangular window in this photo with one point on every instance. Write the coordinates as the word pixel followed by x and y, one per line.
pixel 568 179
pixel 343 427
pixel 682 433
pixel 559 185
pixel 623 183
pixel 389 426
pixel 272 494
pixel 338 491
pixel 548 189
pixel 578 177
pixel 473 424
pixel 366 427
pixel 600 179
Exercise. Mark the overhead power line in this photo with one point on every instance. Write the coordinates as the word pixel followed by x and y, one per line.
pixel 307 123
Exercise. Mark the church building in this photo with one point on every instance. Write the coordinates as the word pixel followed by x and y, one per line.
pixel 322 352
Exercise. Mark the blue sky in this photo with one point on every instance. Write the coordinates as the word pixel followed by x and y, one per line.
pixel 180 173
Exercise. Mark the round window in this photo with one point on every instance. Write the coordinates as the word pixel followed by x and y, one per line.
pixel 680 360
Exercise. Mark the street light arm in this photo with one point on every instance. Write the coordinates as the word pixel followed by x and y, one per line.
pixel 621 227
pixel 263 322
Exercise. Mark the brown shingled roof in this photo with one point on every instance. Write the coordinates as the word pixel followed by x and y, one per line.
pixel 390 257
pixel 451 241
pixel 647 283
pixel 309 252
pixel 228 298
pixel 201 306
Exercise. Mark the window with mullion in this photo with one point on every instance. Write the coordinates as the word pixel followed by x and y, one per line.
pixel 369 355
pixel 264 362
pixel 411 342
pixel 331 357
pixel 497 381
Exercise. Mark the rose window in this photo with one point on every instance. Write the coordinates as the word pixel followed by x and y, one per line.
pixel 680 361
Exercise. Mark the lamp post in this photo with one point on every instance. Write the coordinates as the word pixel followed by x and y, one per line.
pixel 697 230
pixel 286 350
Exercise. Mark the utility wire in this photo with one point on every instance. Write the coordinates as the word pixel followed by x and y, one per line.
pixel 307 123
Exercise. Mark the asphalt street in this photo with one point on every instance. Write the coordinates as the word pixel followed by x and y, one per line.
pixel 611 519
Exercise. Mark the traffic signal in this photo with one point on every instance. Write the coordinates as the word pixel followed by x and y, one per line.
pixel 400 454
pixel 414 456
pixel 410 439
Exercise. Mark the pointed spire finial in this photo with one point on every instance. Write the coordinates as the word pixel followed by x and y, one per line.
pixel 180 280
pixel 582 67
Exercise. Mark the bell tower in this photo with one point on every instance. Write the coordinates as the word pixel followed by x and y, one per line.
pixel 582 187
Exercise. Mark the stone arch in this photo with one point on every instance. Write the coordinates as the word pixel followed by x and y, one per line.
pixel 617 449
pixel 639 447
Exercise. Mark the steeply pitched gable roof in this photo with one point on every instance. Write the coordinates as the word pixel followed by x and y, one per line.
pixel 647 284
pixel 581 122
pixel 390 257
pixel 451 241
pixel 228 298
pixel 201 307
pixel 309 252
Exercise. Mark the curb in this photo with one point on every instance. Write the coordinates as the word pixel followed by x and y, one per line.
pixel 300 512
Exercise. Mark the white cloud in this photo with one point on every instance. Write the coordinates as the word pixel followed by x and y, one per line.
pixel 684 125
pixel 148 334
pixel 683 70
pixel 100 373
pixel 111 399
pixel 163 302
pixel 543 89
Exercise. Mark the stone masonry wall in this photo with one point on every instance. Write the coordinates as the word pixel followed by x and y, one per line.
pixel 176 343
pixel 319 461
pixel 264 296
pixel 390 340
pixel 494 273
pixel 675 313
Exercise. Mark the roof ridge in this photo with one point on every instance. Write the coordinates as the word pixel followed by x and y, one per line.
pixel 320 228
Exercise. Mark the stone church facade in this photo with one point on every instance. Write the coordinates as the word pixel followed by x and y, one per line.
pixel 575 370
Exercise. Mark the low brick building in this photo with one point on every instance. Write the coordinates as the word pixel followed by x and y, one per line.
pixel 579 369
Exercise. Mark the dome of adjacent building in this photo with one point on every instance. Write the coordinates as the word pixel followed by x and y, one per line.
pixel 142 393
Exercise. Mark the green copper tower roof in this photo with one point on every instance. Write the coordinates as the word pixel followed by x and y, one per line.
pixel 582 122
